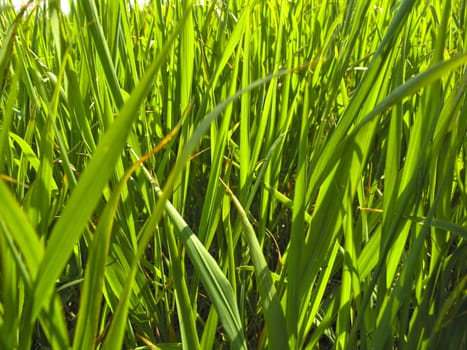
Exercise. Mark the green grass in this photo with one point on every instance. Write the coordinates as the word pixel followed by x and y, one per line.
pixel 237 174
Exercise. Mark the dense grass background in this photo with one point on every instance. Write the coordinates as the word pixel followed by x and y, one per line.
pixel 244 174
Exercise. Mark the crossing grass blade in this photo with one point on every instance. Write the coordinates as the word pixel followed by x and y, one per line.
pixel 23 234
pixel 91 184
pixel 338 125
pixel 7 44
pixel 273 313
pixel 214 280
pixel 94 25
pixel 211 275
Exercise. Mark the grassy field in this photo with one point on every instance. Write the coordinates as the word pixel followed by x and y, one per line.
pixel 234 174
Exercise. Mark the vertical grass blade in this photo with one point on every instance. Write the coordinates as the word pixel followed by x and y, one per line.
pixel 273 313
pixel 90 185
pixel 102 49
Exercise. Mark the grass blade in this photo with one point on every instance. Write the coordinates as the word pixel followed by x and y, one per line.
pixel 273 313
pixel 90 185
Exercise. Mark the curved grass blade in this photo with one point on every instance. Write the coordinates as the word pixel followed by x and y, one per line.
pixel 18 233
pixel 188 332
pixel 216 284
pixel 414 84
pixel 24 234
pixel 7 44
pixel 91 294
pixel 197 252
pixel 273 312
pixel 442 225
pixel 8 120
pixel 75 215
pixel 102 50
pixel 231 322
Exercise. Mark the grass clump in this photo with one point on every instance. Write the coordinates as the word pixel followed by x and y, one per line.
pixel 211 174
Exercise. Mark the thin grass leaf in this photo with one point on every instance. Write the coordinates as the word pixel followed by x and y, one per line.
pixel 442 225
pixel 8 113
pixel 115 335
pixel 90 185
pixel 211 275
pixel 228 314
pixel 273 313
pixel 91 289
pixel 414 84
pixel 187 322
pixel 103 50
pixel 7 44
pixel 355 147
pixel 23 233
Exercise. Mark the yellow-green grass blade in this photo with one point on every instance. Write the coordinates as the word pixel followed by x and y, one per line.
pixel 318 296
pixel 414 84
pixel 103 51
pixel 6 49
pixel 419 139
pixel 413 162
pixel 116 332
pixel 207 339
pixel 218 143
pixel 221 292
pixel 349 279
pixel 39 206
pixel 334 146
pixel 245 141
pixel 8 112
pixel 211 275
pixel 91 288
pixel 403 289
pixel 27 152
pixel 426 77
pixel 23 243
pixel 13 267
pixel 273 118
pixel 52 321
pixel 78 110
pixel 22 233
pixel 219 131
pixel 446 226
pixel 188 328
pixel 294 301
pixel 186 317
pixel 273 313
pixel 90 185
pixel 91 294
pixel 186 55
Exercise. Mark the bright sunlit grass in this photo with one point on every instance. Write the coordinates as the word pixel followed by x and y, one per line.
pixel 64 4
pixel 245 175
